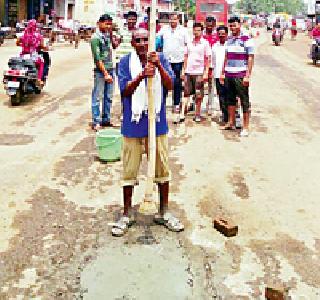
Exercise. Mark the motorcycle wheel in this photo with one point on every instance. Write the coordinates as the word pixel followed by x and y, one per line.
pixel 37 91
pixel 17 98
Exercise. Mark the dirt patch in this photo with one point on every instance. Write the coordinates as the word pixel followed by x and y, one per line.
pixel 176 167
pixel 240 188
pixel 257 124
pixel 301 137
pixel 76 93
pixel 231 135
pixel 77 125
pixel 50 105
pixel 81 165
pixel 56 239
pixel 306 263
pixel 211 206
pixel 15 139
pixel 236 252
pixel 73 168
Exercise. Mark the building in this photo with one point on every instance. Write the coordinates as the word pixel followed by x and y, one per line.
pixel 13 11
pixel 86 11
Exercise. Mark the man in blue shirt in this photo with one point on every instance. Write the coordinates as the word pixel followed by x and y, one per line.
pixel 134 69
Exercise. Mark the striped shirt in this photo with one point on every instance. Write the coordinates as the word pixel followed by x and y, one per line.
pixel 238 50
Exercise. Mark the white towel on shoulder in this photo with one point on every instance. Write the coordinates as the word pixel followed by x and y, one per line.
pixel 140 96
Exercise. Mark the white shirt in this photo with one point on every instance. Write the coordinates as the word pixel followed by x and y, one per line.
pixel 218 57
pixel 174 41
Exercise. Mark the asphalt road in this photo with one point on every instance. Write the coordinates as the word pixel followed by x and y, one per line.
pixel 57 198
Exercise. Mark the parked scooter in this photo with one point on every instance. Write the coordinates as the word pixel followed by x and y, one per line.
pixel 21 79
pixel 315 50
pixel 277 36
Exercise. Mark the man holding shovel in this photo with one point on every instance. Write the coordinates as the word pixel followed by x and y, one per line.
pixel 134 70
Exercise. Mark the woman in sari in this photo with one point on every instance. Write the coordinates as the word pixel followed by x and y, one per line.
pixel 32 42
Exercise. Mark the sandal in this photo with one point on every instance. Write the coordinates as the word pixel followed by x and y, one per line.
pixel 169 221
pixel 197 119
pixel 228 127
pixel 120 227
pixel 96 127
pixel 180 120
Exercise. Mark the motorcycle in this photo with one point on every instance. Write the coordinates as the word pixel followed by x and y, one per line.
pixel 21 79
pixel 315 50
pixel 277 36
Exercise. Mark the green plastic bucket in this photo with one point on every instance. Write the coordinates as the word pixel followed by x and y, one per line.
pixel 109 143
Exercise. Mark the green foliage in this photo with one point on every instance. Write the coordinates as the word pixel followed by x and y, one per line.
pixel 188 6
pixel 268 6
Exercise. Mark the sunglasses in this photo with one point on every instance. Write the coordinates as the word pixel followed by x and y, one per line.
pixel 139 40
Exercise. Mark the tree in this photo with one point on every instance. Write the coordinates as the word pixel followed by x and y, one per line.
pixel 187 6
pixel 269 6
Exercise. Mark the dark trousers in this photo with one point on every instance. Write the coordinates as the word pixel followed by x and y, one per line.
pixel 47 64
pixel 222 92
pixel 177 85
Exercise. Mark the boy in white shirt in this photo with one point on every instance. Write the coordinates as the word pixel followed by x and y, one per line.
pixel 218 57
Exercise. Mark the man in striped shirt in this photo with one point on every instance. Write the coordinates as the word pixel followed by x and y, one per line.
pixel 236 73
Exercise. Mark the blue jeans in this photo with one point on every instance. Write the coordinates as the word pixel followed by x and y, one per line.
pixel 177 84
pixel 102 91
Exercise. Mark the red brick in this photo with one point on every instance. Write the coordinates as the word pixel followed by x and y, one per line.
pixel 275 293
pixel 225 227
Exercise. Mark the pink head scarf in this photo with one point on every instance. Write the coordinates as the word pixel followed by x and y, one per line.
pixel 31 38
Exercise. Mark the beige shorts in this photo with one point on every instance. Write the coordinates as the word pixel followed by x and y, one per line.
pixel 133 148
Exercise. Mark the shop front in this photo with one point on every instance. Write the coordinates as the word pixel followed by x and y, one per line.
pixel 11 13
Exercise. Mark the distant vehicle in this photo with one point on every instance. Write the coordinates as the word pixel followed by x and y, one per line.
pixel 215 8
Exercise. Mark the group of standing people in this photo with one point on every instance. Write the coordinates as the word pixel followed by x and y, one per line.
pixel 209 56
